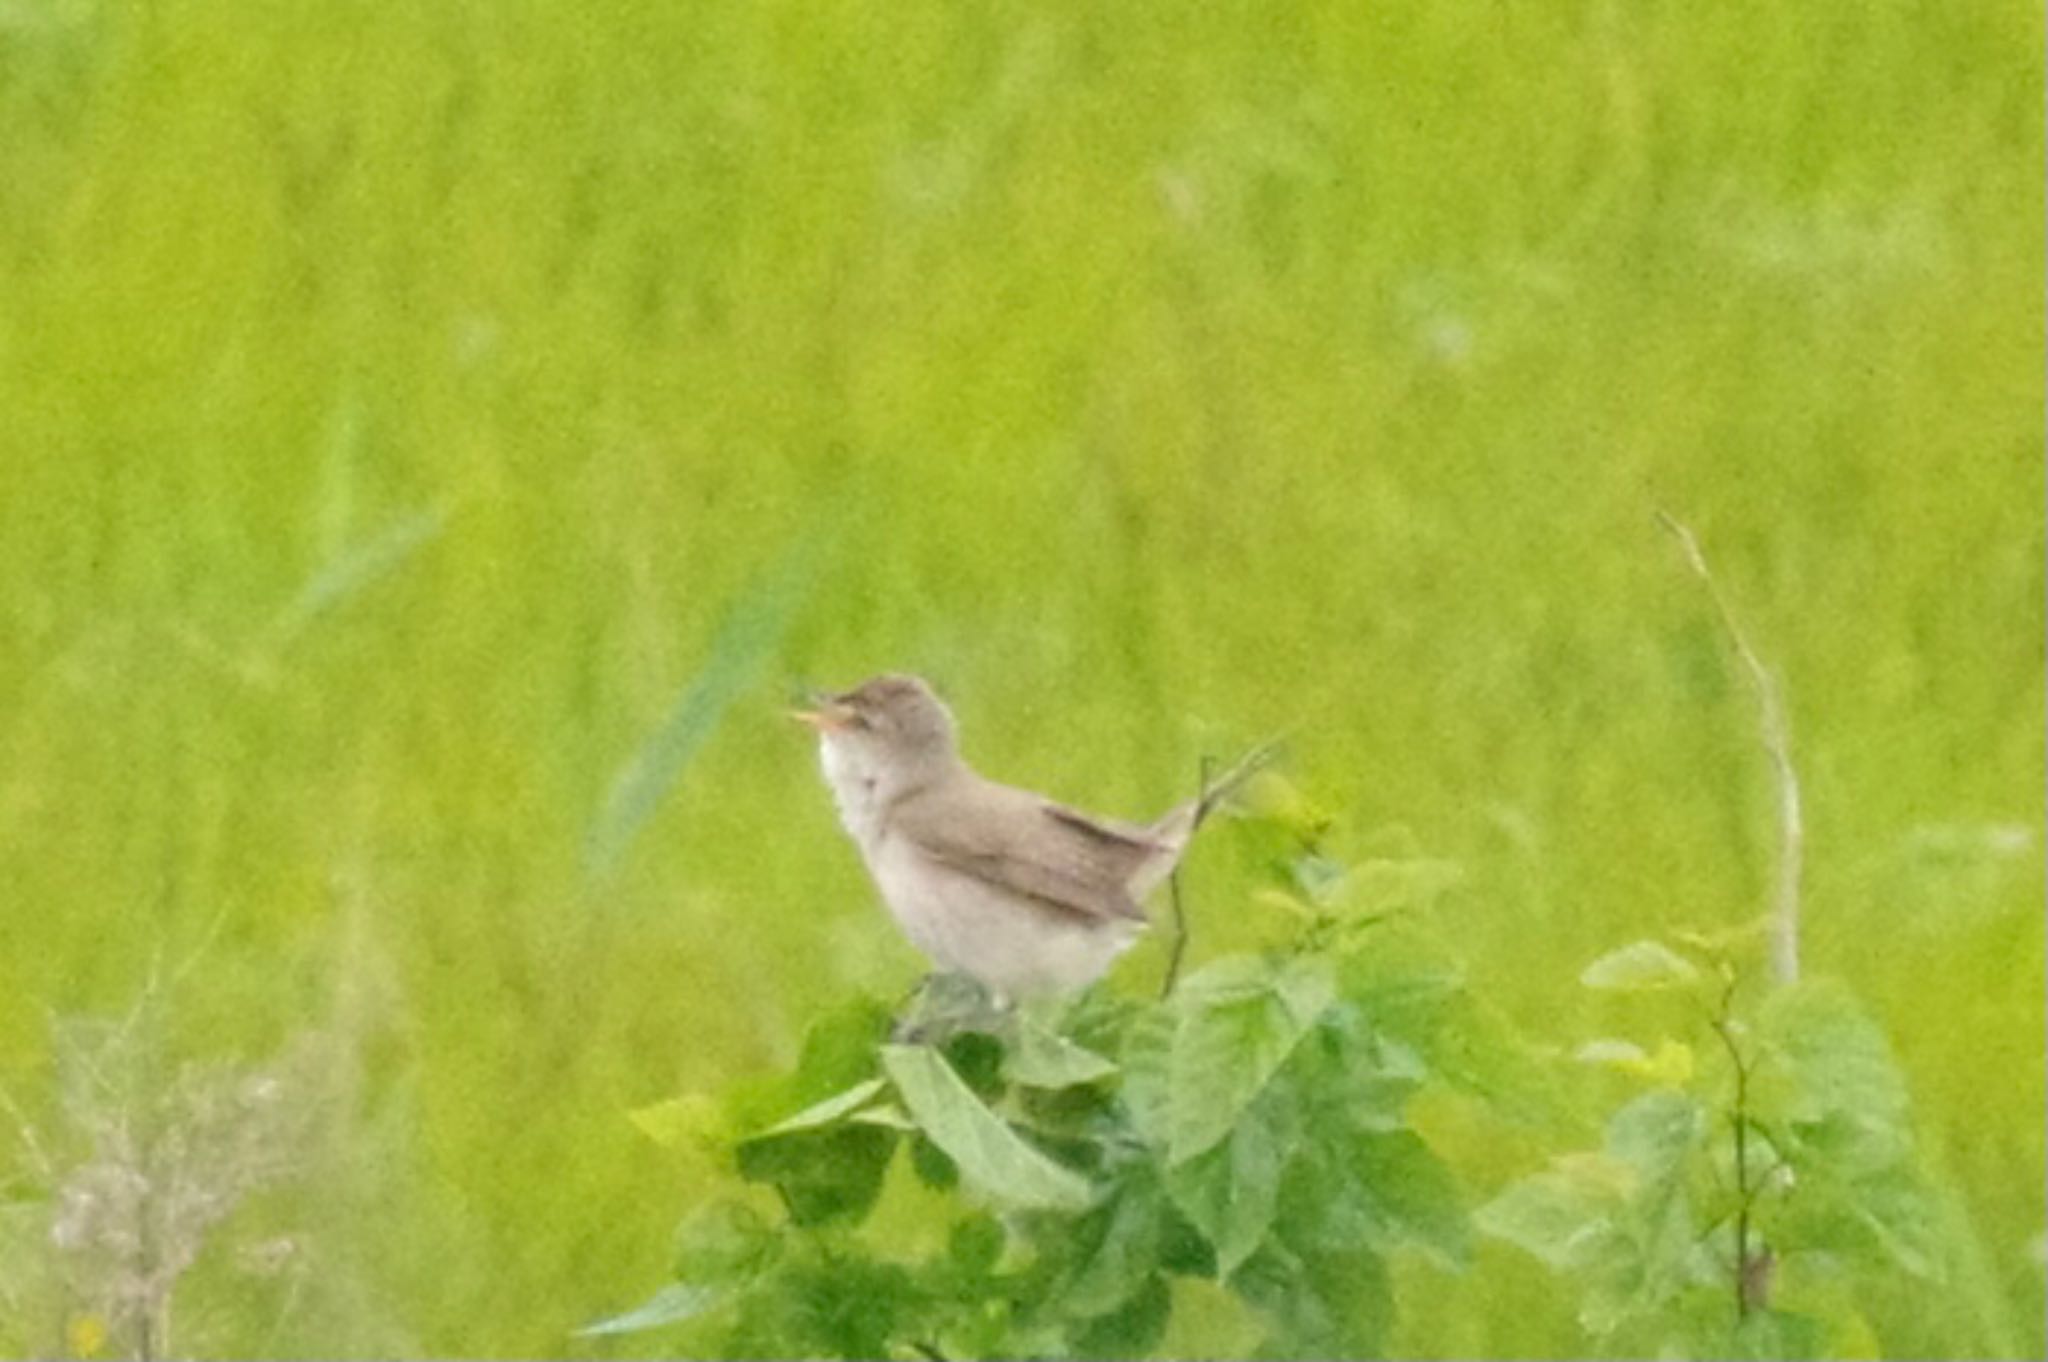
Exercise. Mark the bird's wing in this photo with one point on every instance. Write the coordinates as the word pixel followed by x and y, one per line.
pixel 1056 855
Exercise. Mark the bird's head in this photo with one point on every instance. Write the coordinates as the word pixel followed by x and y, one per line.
pixel 892 723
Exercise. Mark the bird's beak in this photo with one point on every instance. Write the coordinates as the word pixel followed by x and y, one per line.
pixel 825 714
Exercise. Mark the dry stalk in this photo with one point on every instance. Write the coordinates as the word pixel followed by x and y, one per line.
pixel 1775 731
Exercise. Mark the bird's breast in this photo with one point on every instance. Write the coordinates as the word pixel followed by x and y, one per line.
pixel 855 789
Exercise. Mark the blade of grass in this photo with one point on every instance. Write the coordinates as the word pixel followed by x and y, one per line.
pixel 353 570
pixel 747 634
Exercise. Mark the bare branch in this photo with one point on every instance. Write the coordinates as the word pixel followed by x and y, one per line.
pixel 1180 935
pixel 1775 730
pixel 1180 916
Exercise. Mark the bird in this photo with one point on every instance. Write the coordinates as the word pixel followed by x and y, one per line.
pixel 1023 895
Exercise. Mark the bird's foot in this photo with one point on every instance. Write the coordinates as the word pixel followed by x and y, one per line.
pixel 943 1006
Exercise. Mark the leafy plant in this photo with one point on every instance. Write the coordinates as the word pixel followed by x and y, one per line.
pixel 1744 1197
pixel 1249 1130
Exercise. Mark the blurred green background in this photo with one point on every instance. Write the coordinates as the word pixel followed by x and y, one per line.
pixel 425 428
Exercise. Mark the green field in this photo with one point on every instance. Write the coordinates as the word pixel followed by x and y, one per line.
pixel 426 430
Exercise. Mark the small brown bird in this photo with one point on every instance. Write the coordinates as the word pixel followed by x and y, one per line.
pixel 1021 894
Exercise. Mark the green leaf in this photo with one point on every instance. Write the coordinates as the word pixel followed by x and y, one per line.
pixel 990 1154
pixel 1330 1304
pixel 1183 1249
pixel 838 1052
pixel 1389 885
pixel 887 1115
pixel 1651 1252
pixel 692 1119
pixel 839 1048
pixel 1821 1287
pixel 1900 1213
pixel 1834 1098
pixel 832 1304
pixel 1411 1197
pixel 1777 1336
pixel 1407 992
pixel 1832 1078
pixel 722 1243
pixel 1060 1117
pixel 1354 1076
pixel 827 1175
pixel 977 1058
pixel 1654 1133
pixel 827 1112
pixel 1565 1215
pixel 1133 1329
pixel 975 1244
pixel 1882 1218
pixel 672 1304
pixel 1044 1059
pixel 934 1166
pixel 1230 1191
pixel 1147 1057
pixel 1239 1020
pixel 1120 1243
pixel 1615 1053
pixel 1385 1190
pixel 1642 967
pixel 1671 1066
pixel 1631 1247
pixel 1270 797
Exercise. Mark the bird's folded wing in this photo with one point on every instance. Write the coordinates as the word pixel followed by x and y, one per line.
pixel 1056 855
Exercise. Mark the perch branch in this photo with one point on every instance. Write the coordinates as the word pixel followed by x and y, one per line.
pixel 1775 729
pixel 1179 948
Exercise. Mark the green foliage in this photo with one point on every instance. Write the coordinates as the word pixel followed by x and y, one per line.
pixel 1250 1129
pixel 1231 1028
pixel 1752 1207
pixel 1640 967
pixel 994 1158
pixel 672 1304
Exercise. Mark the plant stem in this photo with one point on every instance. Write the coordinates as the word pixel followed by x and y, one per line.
pixel 1775 730
pixel 1745 1192
pixel 1741 1193
pixel 1180 935
pixel 1180 916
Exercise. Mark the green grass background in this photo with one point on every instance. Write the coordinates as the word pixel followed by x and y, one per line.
pixel 410 413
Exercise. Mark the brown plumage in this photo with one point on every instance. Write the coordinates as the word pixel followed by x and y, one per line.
pixel 1024 894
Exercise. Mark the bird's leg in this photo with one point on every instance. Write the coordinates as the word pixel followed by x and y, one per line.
pixel 997 1015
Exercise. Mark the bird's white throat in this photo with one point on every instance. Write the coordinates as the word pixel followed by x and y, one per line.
pixel 855 778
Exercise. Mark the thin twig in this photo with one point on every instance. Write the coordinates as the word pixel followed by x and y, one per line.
pixel 42 1165
pixel 1775 729
pixel 1180 935
pixel 1739 1118
pixel 1179 948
